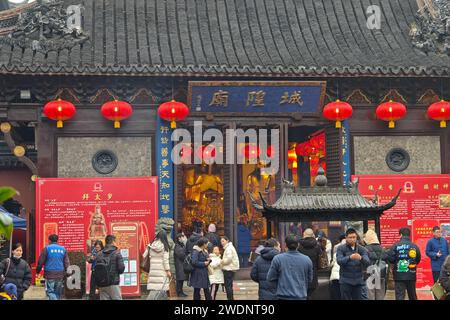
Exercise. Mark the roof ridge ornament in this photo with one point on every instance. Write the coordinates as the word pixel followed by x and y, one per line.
pixel 431 32
pixel 321 180
pixel 48 26
pixel 287 187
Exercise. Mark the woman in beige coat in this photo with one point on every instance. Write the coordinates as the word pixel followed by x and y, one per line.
pixel 159 275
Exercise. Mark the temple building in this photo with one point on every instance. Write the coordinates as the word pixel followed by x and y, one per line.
pixel 237 64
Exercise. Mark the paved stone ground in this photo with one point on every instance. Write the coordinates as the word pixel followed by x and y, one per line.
pixel 243 290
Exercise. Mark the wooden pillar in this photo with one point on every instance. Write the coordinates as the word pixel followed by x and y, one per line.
pixel 269 228
pixel 365 225
pixel 378 227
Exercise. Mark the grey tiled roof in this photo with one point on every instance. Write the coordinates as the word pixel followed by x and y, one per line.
pixel 238 38
pixel 325 199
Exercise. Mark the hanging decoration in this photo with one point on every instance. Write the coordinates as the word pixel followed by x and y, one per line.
pixel 337 111
pixel 391 111
pixel 116 111
pixel 440 111
pixel 173 111
pixel 59 110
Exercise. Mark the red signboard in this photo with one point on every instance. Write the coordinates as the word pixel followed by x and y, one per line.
pixel 82 210
pixel 423 203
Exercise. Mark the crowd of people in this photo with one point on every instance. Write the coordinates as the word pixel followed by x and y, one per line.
pixel 358 266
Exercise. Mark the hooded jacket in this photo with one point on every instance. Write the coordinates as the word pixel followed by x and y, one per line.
pixel 192 241
pixel 19 274
pixel 117 265
pixel 267 289
pixel 159 264
pixel 215 269
pixel 310 248
pixel 199 276
pixel 405 256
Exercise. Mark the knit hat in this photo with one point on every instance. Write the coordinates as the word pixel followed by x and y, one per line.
pixel 212 228
pixel 371 237
pixel 308 233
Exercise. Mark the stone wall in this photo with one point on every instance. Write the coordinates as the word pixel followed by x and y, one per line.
pixel 370 154
pixel 133 154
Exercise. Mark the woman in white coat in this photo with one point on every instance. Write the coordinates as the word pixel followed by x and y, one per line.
pixel 335 291
pixel 215 272
pixel 159 275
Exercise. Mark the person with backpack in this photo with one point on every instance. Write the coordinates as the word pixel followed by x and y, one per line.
pixel 267 290
pixel 199 276
pixel 405 256
pixel 180 255
pixel 109 266
pixel 55 261
pixel 376 282
pixel 352 259
pixel 159 276
pixel 311 248
pixel 16 270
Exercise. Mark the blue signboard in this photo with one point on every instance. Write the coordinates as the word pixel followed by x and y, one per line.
pixel 263 96
pixel 164 168
pixel 345 152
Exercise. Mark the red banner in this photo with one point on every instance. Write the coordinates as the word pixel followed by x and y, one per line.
pixel 82 210
pixel 423 203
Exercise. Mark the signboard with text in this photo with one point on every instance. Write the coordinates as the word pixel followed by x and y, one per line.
pixel 256 96
pixel 83 210
pixel 423 203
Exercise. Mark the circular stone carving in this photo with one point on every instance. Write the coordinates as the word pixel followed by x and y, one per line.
pixel 104 162
pixel 397 159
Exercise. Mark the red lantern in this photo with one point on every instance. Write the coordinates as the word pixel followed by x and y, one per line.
pixel 251 151
pixel 116 111
pixel 391 111
pixel 173 111
pixel 186 153
pixel 292 156
pixel 337 111
pixel 60 111
pixel 206 152
pixel 303 149
pixel 440 111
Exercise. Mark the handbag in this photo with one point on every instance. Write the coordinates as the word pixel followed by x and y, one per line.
pixel 439 292
pixel 3 276
pixel 145 264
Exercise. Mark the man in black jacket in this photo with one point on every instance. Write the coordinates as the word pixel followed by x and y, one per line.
pixel 353 259
pixel 405 256
pixel 310 248
pixel 111 259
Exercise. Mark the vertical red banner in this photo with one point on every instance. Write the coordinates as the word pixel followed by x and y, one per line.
pixel 83 210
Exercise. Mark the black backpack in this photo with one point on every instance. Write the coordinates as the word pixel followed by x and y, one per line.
pixel 187 264
pixel 102 273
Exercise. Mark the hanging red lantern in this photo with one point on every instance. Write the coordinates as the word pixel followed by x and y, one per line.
pixel 186 153
pixel 59 110
pixel 337 111
pixel 391 111
pixel 303 149
pixel 292 156
pixel 116 111
pixel 251 151
pixel 173 111
pixel 206 152
pixel 440 111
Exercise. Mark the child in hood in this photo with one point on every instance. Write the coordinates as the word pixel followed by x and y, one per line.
pixel 215 271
